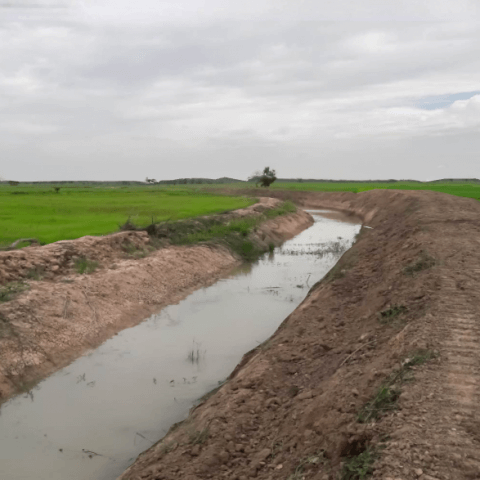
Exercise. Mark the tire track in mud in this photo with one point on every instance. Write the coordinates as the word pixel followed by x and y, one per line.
pixel 458 402
pixel 437 433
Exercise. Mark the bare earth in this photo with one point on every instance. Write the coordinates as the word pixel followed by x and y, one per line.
pixel 290 409
pixel 65 314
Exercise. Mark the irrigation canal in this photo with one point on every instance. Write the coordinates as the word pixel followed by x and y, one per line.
pixel 91 419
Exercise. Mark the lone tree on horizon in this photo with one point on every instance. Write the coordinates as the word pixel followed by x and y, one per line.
pixel 266 178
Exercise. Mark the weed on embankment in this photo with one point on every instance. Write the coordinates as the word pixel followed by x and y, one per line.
pixel 11 289
pixel 360 466
pixel 306 463
pixel 392 315
pixel 85 265
pixel 234 233
pixel 198 437
pixel 387 395
pixel 424 262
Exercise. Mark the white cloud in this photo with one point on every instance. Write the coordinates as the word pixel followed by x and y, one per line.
pixel 104 88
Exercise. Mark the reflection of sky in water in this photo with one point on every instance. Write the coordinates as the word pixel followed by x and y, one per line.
pixel 108 406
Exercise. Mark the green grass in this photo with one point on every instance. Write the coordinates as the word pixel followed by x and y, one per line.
pixel 233 233
pixel 424 262
pixel 387 395
pixel 10 290
pixel 387 316
pixel 461 189
pixel 359 466
pixel 38 212
pixel 85 265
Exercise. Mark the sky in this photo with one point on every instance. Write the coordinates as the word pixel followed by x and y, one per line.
pixel 338 89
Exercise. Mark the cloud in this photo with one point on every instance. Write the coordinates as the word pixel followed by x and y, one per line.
pixel 104 89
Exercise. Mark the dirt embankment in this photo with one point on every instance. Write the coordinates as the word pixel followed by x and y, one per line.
pixel 376 371
pixel 62 315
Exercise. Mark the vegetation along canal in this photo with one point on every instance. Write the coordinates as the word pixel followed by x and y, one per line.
pixel 90 420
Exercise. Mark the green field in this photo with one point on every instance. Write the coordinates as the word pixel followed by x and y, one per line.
pixel 38 212
pixel 471 190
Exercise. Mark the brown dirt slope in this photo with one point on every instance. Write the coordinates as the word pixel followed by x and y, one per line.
pixel 64 314
pixel 377 370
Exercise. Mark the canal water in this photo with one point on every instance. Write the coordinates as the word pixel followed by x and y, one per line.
pixel 91 419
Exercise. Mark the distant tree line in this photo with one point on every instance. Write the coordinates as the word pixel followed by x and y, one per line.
pixel 199 181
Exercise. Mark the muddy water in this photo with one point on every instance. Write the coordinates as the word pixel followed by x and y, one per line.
pixel 91 419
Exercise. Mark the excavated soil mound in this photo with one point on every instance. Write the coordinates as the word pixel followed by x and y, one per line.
pixel 65 313
pixel 376 372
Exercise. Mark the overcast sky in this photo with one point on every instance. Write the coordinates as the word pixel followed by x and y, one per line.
pixel 341 89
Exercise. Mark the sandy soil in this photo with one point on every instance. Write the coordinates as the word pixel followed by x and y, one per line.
pixel 290 409
pixel 65 314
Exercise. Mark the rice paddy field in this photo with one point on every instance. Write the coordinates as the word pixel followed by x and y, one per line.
pixel 471 190
pixel 39 212
pixel 467 189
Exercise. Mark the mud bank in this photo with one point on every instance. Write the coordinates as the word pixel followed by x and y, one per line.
pixel 378 370
pixel 61 316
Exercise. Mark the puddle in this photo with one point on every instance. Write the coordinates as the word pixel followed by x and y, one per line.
pixel 91 419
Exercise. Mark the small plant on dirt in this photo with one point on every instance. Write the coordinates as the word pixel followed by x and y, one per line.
pixel 282 209
pixel 85 265
pixel 6 328
pixel 271 247
pixel 199 437
pixel 11 289
pixel 393 311
pixel 132 250
pixel 385 400
pixel 388 315
pixel 419 357
pixel 311 460
pixel 167 447
pixel 36 273
pixel 276 447
pixel 127 226
pixel 424 262
pixel 359 466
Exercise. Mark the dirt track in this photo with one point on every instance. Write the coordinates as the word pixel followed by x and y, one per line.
pixel 65 314
pixel 290 409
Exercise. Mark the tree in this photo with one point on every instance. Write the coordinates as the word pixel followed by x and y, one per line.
pixel 265 179
pixel 150 180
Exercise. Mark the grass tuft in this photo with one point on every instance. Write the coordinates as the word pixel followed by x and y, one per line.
pixel 84 265
pixel 390 314
pixel 387 395
pixel 36 273
pixel 424 262
pixel 359 466
pixel 234 233
pixel 199 437
pixel 385 400
pixel 306 462
pixel 11 290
